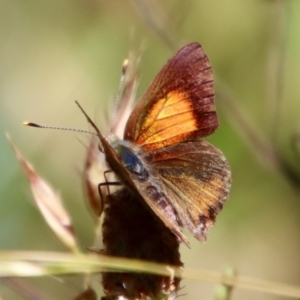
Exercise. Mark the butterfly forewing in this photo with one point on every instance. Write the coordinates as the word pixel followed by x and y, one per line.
pixel 178 105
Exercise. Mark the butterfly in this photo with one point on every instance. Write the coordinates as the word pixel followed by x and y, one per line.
pixel 163 158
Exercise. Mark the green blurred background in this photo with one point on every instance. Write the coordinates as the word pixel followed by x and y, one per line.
pixel 55 52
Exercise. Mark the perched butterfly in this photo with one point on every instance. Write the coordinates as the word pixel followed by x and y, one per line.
pixel 182 178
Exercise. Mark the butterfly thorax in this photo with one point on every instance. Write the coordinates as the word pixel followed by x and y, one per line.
pixel 131 159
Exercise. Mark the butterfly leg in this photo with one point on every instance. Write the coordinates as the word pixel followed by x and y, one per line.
pixel 107 183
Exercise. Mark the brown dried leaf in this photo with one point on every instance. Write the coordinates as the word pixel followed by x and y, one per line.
pixel 49 203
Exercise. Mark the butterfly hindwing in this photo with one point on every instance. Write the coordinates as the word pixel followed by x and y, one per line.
pixel 196 177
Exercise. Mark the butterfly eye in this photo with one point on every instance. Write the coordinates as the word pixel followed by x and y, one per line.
pixel 132 163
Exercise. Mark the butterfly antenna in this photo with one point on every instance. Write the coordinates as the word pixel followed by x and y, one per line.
pixel 117 102
pixel 98 133
pixel 31 124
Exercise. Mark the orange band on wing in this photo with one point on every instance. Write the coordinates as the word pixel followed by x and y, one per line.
pixel 170 117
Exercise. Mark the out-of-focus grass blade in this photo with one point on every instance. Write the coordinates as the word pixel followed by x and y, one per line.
pixel 95 164
pixel 223 290
pixel 53 263
pixel 128 95
pixel 58 263
pixel 93 173
pixel 49 203
pixel 25 289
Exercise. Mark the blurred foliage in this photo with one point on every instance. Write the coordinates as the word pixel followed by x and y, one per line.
pixel 55 52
